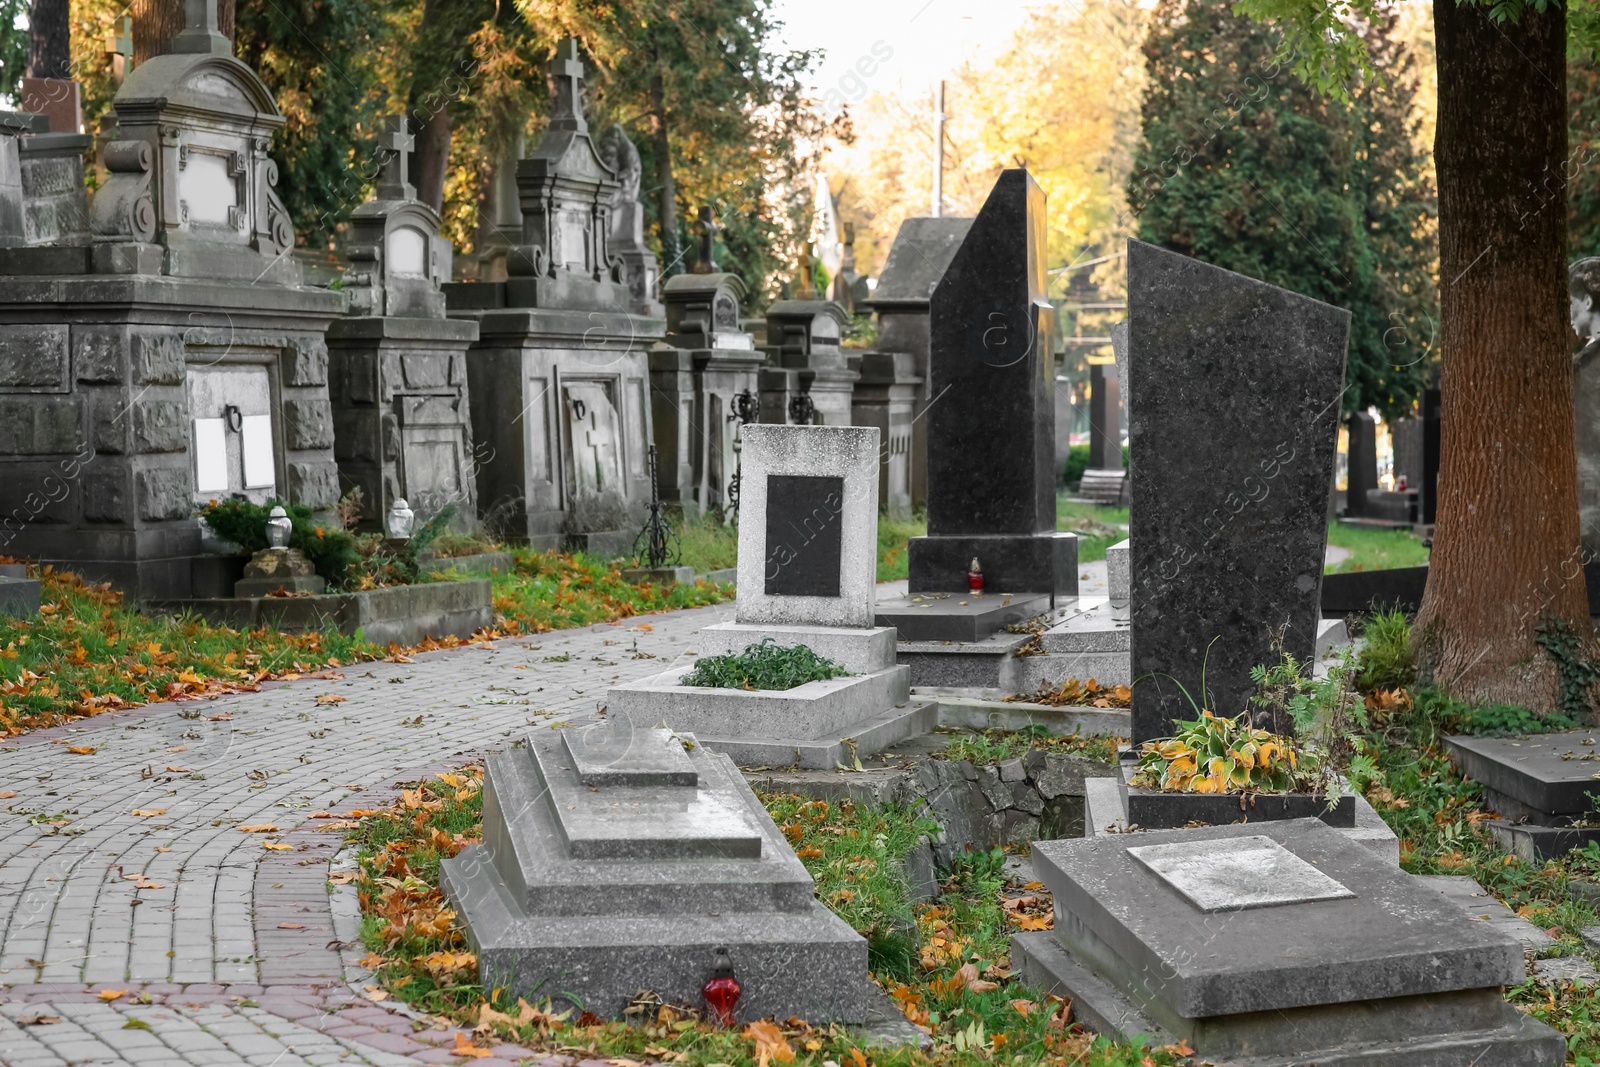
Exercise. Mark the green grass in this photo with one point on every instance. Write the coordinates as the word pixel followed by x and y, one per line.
pixel 894 536
pixel 554 591
pixel 1098 528
pixel 766 665
pixel 1385 659
pixel 706 543
pixel 1374 548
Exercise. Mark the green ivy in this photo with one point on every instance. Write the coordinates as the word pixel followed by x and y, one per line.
pixel 1577 670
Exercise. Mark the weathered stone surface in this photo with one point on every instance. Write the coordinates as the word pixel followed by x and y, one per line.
pixel 279 563
pixel 1551 774
pixel 109 424
pixel 1233 552
pixel 19 597
pixel 97 354
pixel 316 485
pixel 34 357
pixel 1012 770
pixel 40 425
pixel 308 423
pixel 158 359
pixel 1246 872
pixel 1025 798
pixel 163 493
pixel 306 362
pixel 160 426
pixel 107 492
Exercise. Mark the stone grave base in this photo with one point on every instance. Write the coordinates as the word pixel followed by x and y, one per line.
pixel 1043 562
pixel 309 584
pixel 1152 809
pixel 1279 943
pixel 601 544
pixel 818 725
pixel 477 563
pixel 19 597
pixel 1539 785
pixel 658 575
pixel 401 614
pixel 957 616
pixel 616 861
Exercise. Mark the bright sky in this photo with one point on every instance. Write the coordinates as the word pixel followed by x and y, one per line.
pixel 879 45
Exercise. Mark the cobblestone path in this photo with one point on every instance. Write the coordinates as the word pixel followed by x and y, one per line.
pixel 229 952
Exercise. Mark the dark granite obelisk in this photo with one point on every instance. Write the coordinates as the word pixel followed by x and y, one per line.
pixel 1361 472
pixel 1234 414
pixel 991 410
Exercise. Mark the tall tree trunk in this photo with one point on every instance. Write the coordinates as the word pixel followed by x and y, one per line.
pixel 49 39
pixel 1506 547
pixel 157 22
pixel 667 185
pixel 428 106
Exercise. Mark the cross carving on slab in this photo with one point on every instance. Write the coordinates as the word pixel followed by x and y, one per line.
pixel 394 181
pixel 708 242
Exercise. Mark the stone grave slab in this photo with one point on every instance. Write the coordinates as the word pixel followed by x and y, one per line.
pixel 641 899
pixel 1254 872
pixel 1234 389
pixel 807 576
pixel 19 597
pixel 1540 785
pixel 1377 974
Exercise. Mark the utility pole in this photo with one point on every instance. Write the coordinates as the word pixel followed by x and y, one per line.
pixel 938 150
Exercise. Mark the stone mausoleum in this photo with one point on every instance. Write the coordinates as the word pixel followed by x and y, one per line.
pixel 559 374
pixel 398 377
pixel 170 354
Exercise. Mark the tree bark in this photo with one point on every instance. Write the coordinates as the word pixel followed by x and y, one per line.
pixel 1506 547
pixel 667 185
pixel 157 22
pixel 49 39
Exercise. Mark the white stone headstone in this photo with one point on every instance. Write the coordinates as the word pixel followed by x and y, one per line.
pixel 1237 873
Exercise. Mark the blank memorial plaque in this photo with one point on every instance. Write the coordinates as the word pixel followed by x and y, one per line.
pixel 805 535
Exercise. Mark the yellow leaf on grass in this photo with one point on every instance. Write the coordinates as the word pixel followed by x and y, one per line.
pixel 277 847
pixel 258 828
pixel 81 750
pixel 109 995
pixel 147 813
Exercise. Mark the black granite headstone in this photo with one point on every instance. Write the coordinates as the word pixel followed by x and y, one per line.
pixel 1105 418
pixel 991 409
pixel 1234 412
pixel 1361 473
pixel 805 535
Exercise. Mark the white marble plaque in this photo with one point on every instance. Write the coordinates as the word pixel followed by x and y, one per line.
pixel 408 251
pixel 259 470
pixel 207 187
pixel 211 455
pixel 1227 874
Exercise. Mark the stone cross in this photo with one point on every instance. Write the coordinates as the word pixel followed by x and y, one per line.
pixel 708 242
pixel 201 31
pixel 805 283
pixel 119 46
pixel 566 88
pixel 396 144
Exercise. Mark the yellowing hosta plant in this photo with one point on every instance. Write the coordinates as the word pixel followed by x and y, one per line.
pixel 1216 755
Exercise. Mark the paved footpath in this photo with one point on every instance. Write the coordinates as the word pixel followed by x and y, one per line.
pixel 229 952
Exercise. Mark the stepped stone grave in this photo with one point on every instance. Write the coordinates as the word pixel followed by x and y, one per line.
pixel 807 576
pixel 616 860
pixel 1540 785
pixel 991 413
pixel 559 374
pixel 1273 944
pixel 1105 480
pixel 402 424
pixel 165 351
pixel 1232 554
